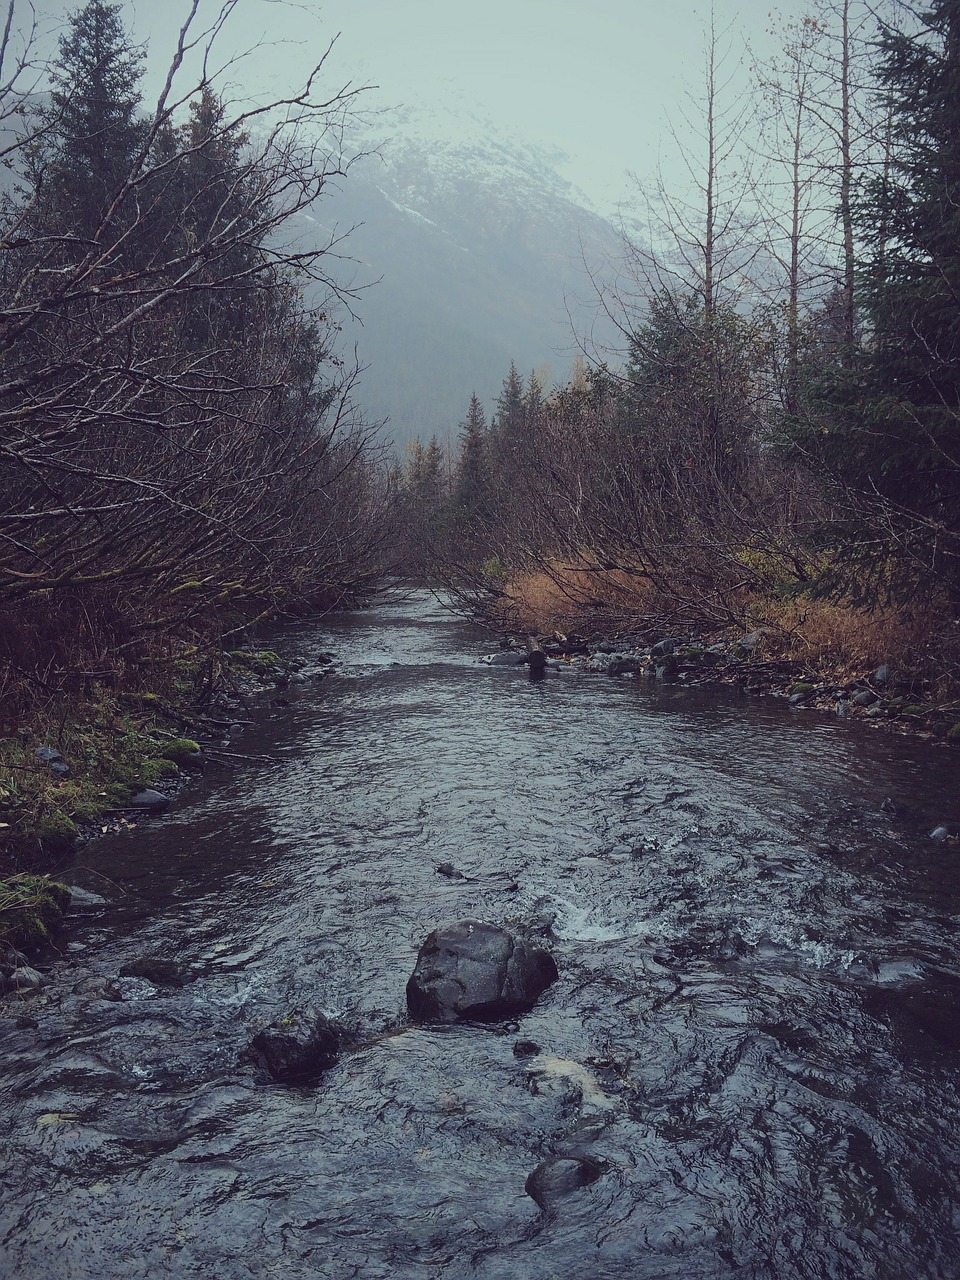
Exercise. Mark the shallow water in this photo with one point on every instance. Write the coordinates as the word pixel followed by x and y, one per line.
pixel 756 1025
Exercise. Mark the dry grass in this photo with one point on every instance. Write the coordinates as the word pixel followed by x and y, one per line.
pixel 566 597
pixel 830 635
pixel 826 636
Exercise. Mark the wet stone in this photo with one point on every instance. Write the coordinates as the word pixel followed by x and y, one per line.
pixel 472 970
pixel 149 801
pixel 559 1177
pixel 159 971
pixel 84 900
pixel 22 980
pixel 298 1048
pixel 526 1049
pixel 97 988
pixel 945 831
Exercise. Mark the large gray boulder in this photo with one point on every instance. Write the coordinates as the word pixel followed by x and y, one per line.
pixel 476 971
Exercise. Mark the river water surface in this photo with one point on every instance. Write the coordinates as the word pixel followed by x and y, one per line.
pixel 756 1028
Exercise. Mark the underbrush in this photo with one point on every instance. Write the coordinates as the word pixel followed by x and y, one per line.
pixel 836 637
pixel 31 908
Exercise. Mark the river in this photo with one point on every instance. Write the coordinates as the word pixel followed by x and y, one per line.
pixel 756 1028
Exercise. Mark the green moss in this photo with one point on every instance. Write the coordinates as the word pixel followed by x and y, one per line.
pixel 801 687
pixel 913 709
pixel 155 770
pixel 84 806
pixel 57 831
pixel 31 908
pixel 117 794
pixel 262 662
pixel 953 734
pixel 180 750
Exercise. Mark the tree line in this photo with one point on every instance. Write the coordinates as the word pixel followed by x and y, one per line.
pixel 784 415
pixel 180 450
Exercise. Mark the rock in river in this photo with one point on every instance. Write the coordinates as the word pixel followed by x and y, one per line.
pixel 472 970
pixel 298 1048
pixel 559 1177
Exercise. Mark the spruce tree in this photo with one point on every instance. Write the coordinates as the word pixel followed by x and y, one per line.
pixel 472 482
pixel 896 440
pixel 94 134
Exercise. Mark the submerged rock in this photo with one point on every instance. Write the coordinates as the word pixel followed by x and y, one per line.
pixel 84 900
pixel 560 1176
pixel 298 1048
pixel 472 970
pixel 159 971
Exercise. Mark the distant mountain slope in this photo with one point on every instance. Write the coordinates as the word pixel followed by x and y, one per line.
pixel 478 245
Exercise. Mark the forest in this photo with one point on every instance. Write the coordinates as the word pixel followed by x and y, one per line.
pixel 778 443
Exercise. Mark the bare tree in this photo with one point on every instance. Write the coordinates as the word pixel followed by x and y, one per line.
pixel 177 426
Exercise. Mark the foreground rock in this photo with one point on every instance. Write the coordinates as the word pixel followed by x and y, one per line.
pixel 476 971
pixel 17 976
pixel 559 1177
pixel 297 1049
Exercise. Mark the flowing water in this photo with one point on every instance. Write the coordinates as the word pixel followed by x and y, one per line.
pixel 756 1028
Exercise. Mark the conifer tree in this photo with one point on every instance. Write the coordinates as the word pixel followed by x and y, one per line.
pixel 894 440
pixel 470 499
pixel 94 133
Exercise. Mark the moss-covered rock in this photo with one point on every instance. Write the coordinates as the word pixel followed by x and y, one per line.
pixel 31 909
pixel 57 831
pixel 181 751
pixel 155 770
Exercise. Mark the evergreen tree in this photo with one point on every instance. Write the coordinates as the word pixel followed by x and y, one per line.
pixel 533 399
pixel 509 417
pixel 472 482
pixel 894 435
pixel 94 134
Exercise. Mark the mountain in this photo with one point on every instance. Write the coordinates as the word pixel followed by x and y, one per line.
pixel 478 247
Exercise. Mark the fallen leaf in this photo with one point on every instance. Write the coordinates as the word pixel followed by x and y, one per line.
pixel 56 1117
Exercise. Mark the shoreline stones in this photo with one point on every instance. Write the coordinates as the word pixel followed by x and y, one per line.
pixel 149 801
pixel 17 977
pixel 477 972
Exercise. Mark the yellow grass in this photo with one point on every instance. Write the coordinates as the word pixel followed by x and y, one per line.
pixel 566 597
pixel 827 636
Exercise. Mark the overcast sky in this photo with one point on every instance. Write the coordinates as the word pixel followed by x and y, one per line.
pixel 596 81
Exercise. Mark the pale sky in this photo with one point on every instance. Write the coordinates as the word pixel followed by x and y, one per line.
pixel 597 81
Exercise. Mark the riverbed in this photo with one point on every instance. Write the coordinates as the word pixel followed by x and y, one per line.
pixel 755 1033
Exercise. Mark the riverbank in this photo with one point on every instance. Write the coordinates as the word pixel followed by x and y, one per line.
pixel 887 666
pixel 80 769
